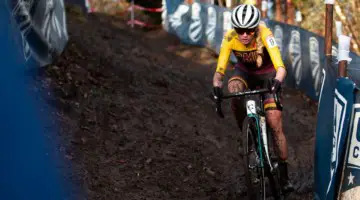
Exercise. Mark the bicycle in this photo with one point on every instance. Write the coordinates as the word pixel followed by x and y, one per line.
pixel 257 143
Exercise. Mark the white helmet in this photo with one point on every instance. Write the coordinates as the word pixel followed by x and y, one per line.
pixel 245 16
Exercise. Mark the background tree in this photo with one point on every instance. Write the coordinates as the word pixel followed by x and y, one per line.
pixel 346 11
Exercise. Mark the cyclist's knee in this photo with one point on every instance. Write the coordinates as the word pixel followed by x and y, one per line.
pixel 273 114
pixel 274 118
pixel 236 84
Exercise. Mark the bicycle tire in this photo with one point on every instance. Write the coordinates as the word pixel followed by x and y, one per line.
pixel 258 191
pixel 274 177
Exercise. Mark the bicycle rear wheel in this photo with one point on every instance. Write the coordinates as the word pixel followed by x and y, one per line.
pixel 254 172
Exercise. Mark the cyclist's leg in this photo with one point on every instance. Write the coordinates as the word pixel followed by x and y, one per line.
pixel 273 115
pixel 274 119
pixel 237 83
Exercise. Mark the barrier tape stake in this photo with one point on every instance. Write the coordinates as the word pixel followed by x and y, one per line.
pixel 343 55
pixel 263 8
pixel 342 68
pixel 328 27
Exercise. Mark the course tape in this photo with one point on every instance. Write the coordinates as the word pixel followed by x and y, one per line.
pixel 143 24
pixel 146 9
pixel 90 9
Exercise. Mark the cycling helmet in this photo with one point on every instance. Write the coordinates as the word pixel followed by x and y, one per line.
pixel 245 16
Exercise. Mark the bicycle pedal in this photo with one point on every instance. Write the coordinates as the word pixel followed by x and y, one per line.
pixel 275 165
pixel 252 166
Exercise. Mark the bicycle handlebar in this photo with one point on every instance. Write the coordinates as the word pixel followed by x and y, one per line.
pixel 245 93
pixel 250 92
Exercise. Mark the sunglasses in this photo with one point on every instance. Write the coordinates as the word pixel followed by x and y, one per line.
pixel 241 31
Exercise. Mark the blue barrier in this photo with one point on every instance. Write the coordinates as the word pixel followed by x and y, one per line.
pixel 332 133
pixel 42 26
pixel 32 34
pixel 336 156
pixel 351 168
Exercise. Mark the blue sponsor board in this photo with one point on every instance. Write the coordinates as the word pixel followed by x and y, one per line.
pixel 331 137
pixel 32 34
pixel 351 174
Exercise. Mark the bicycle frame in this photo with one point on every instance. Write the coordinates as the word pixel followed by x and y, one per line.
pixel 258 113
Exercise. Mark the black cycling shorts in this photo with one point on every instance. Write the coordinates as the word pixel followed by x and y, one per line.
pixel 256 81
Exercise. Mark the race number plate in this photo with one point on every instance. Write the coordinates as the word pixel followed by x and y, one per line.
pixel 250 107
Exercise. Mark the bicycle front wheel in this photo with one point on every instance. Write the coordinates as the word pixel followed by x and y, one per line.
pixel 254 169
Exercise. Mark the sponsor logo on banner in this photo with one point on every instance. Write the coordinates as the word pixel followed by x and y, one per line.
pixel 195 29
pixel 26 48
pixel 54 22
pixel 227 21
pixel 315 63
pixel 354 149
pixel 334 52
pixel 322 86
pixel 211 26
pixel 350 184
pixel 175 19
pixel 340 104
pixel 278 34
pixel 21 11
pixel 295 55
pixel 51 29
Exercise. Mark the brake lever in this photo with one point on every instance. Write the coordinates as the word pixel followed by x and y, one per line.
pixel 219 110
pixel 218 106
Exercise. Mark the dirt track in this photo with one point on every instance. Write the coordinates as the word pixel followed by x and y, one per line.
pixel 138 123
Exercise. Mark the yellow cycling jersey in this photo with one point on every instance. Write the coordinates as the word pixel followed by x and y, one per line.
pixel 247 55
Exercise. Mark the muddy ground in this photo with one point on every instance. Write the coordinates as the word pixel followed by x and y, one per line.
pixel 137 123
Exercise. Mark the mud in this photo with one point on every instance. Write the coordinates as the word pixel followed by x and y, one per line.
pixel 137 122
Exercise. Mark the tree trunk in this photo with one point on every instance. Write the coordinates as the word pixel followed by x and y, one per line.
pixel 278 11
pixel 290 12
pixel 263 12
pixel 220 2
pixel 258 4
pixel 230 3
